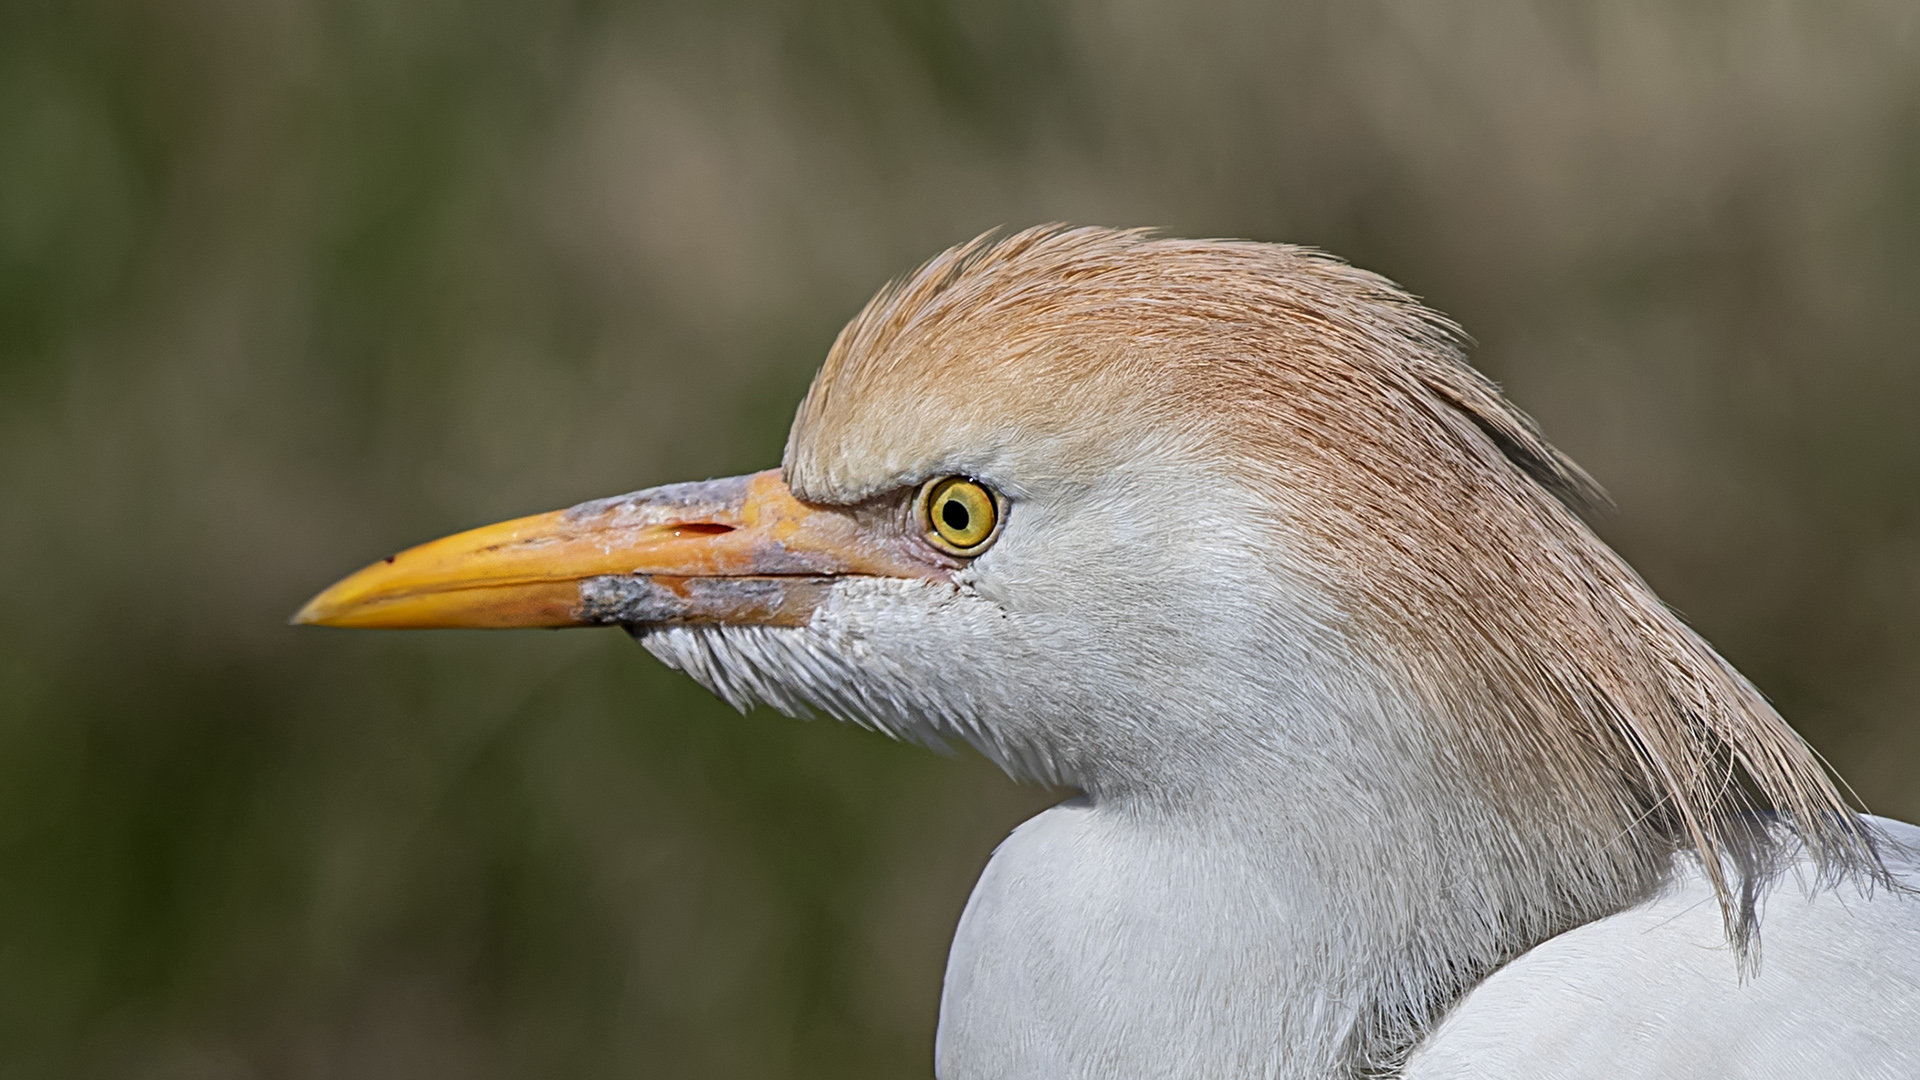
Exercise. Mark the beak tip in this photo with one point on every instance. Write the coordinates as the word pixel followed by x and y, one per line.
pixel 308 615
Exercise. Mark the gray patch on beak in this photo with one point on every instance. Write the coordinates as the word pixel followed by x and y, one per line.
pixel 638 601
pixel 690 500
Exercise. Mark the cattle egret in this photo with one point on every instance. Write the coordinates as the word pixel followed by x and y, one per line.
pixel 1387 764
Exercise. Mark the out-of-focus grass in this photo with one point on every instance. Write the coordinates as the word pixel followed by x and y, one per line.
pixel 286 286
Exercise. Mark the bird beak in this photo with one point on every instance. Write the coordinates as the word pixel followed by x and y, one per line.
pixel 741 550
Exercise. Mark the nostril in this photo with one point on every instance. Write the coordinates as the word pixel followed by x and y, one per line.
pixel 702 528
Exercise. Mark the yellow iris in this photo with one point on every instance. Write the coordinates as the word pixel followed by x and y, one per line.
pixel 959 515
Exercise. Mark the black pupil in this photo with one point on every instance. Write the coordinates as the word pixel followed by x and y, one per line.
pixel 955 515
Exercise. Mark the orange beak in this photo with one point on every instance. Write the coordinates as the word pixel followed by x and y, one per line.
pixel 741 550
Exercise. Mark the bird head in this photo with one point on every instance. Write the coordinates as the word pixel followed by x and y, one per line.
pixel 1167 519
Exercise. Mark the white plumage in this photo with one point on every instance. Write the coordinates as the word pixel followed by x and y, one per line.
pixel 1649 992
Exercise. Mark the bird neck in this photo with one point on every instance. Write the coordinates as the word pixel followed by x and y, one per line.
pixel 1380 874
pixel 1294 923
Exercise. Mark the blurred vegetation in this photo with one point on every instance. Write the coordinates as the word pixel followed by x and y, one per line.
pixel 287 285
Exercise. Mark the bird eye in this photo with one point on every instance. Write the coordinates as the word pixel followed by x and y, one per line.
pixel 960 516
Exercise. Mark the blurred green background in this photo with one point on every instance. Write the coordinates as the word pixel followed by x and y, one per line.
pixel 288 284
